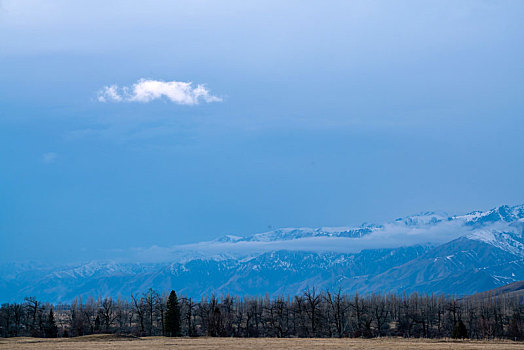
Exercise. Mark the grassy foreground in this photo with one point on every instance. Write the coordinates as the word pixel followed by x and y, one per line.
pixel 111 342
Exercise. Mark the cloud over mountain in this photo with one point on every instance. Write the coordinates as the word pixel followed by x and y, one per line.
pixel 421 229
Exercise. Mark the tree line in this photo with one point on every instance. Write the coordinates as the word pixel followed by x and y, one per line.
pixel 311 314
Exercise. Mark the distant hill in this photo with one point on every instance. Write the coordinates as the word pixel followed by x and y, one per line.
pixel 511 289
pixel 428 252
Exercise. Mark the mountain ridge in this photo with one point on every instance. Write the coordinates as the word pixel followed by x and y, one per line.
pixel 461 254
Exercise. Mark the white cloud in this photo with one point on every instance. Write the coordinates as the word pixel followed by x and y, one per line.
pixel 389 236
pixel 146 90
pixel 109 93
pixel 49 157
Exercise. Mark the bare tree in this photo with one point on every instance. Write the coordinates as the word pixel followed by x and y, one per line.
pixel 107 311
pixel 339 310
pixel 312 309
pixel 139 307
pixel 151 300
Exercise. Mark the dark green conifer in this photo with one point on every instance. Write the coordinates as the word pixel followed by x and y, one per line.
pixel 459 331
pixel 97 324
pixel 172 322
pixel 50 327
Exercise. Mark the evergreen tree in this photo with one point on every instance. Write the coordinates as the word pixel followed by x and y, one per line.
pixel 50 328
pixel 459 331
pixel 97 324
pixel 514 329
pixel 172 322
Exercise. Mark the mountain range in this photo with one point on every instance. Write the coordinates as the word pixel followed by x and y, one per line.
pixel 429 252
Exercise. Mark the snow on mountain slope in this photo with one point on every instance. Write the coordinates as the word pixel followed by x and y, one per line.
pixel 511 242
pixel 502 226
pixel 504 213
pixel 306 232
pixel 449 268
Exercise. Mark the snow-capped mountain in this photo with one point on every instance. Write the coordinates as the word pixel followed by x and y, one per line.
pixel 303 232
pixel 430 252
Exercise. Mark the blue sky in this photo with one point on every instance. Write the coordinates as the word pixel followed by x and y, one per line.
pixel 326 114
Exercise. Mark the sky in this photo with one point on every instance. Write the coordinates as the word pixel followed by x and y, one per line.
pixel 128 124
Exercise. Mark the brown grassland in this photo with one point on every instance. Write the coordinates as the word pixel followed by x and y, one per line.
pixel 110 342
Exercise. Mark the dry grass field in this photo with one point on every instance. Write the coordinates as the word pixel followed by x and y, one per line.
pixel 109 342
